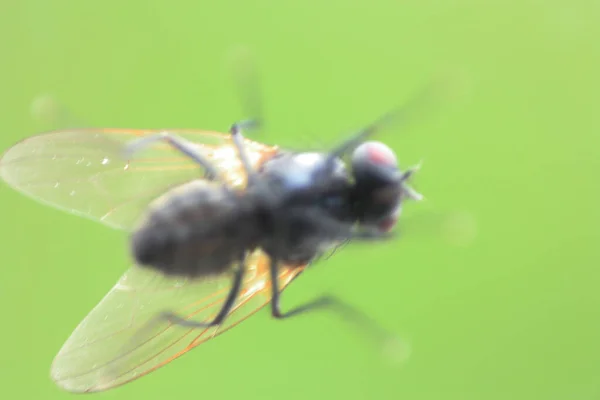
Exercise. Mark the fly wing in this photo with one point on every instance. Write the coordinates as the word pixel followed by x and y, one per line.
pixel 121 340
pixel 82 171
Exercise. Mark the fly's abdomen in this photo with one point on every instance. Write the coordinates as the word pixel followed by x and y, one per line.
pixel 196 230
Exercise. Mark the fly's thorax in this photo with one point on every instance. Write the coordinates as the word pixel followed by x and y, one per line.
pixel 297 172
pixel 299 179
pixel 296 194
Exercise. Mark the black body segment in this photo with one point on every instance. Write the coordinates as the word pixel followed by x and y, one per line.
pixel 197 230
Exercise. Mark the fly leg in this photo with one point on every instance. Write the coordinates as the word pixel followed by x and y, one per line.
pixel 247 82
pixel 149 330
pixel 223 313
pixel 238 141
pixel 328 302
pixel 185 147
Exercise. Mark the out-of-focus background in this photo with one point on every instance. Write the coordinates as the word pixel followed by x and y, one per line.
pixel 494 283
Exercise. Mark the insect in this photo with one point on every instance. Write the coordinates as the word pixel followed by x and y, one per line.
pixel 219 226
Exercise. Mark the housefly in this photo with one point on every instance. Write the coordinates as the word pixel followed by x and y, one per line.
pixel 219 225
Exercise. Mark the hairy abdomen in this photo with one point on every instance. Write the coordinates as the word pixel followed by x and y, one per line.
pixel 198 229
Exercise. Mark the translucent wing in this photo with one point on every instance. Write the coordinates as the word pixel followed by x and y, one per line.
pixel 116 343
pixel 83 171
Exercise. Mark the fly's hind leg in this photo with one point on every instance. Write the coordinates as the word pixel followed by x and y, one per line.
pixel 184 146
pixel 223 313
pixel 148 331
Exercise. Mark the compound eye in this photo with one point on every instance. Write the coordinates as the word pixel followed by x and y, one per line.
pixel 386 224
pixel 372 153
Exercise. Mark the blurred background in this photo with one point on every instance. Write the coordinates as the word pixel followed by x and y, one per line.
pixel 494 282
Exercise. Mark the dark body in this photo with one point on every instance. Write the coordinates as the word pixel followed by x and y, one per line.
pixel 203 227
pixel 294 207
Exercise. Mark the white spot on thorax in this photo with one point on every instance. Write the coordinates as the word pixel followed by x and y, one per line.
pixel 301 170
pixel 308 159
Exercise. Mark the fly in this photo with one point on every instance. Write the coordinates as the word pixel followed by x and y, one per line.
pixel 219 226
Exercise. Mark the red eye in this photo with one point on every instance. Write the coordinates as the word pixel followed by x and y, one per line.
pixel 375 153
pixel 386 224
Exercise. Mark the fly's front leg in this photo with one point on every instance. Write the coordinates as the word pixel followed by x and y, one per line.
pixel 328 302
pixel 185 147
pixel 274 271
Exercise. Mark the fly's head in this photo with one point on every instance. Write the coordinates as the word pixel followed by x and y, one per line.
pixel 379 186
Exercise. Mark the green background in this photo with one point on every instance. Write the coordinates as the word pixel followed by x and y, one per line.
pixel 495 281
